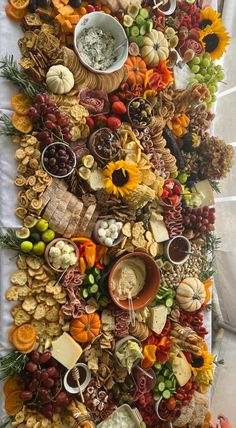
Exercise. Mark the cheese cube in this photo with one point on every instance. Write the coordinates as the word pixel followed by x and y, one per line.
pixel 157 318
pixel 158 228
pixel 66 350
pixel 181 369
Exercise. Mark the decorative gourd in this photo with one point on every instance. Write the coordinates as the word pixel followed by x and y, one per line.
pixel 155 48
pixel 136 69
pixel 116 5
pixel 59 79
pixel 85 328
pixel 191 294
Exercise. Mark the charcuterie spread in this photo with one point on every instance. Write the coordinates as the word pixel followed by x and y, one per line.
pixel 116 170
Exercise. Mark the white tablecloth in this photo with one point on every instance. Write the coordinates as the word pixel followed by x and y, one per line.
pixel 10 32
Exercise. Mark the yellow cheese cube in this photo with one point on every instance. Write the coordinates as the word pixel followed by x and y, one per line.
pixel 66 350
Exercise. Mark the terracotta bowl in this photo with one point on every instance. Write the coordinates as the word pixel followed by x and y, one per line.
pixel 51 244
pixel 150 289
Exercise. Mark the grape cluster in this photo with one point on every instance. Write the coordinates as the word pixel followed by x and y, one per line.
pixel 52 124
pixel 207 72
pixel 200 220
pixel 42 381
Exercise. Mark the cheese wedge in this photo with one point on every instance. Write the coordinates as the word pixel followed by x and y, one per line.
pixel 158 227
pixel 66 350
pixel 205 189
pixel 157 318
pixel 181 369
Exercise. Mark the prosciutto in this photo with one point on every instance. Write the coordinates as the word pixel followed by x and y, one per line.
pixel 95 101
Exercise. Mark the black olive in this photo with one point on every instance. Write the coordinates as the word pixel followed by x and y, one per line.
pixel 75 3
pixel 32 6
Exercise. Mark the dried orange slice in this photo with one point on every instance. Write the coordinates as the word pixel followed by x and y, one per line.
pixel 21 103
pixel 15 14
pixel 19 4
pixel 14 383
pixel 25 334
pixel 13 403
pixel 11 332
pixel 22 123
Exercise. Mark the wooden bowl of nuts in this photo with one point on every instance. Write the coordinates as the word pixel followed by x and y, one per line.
pixel 139 112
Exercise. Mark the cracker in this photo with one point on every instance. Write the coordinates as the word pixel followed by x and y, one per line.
pixel 29 304
pixel 127 230
pixel 40 312
pixel 12 294
pixel 21 262
pixel 19 277
pixel 34 263
pixel 21 317
pixel 52 314
pixel 23 292
pixel 40 326
pixel 53 329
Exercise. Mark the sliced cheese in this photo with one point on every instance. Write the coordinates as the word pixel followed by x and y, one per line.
pixel 205 189
pixel 181 369
pixel 157 318
pixel 158 228
pixel 66 350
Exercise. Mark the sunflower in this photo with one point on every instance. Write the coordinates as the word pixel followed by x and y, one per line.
pixel 202 363
pixel 215 39
pixel 209 16
pixel 121 177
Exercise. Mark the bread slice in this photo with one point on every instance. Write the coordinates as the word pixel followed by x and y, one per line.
pixel 62 226
pixel 54 202
pixel 91 225
pixel 74 219
pixel 85 220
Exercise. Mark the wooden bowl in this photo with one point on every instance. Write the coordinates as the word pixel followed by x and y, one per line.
pixel 150 289
pixel 51 244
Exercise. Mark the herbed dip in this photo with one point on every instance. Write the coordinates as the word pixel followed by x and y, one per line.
pixel 128 278
pixel 96 48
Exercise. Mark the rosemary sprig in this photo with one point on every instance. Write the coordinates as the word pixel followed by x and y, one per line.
pixel 6 421
pixel 10 70
pixel 212 243
pixel 12 363
pixel 215 185
pixel 9 241
pixel 6 127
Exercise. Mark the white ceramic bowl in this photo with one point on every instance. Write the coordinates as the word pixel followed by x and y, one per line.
pixel 108 24
pixel 167 248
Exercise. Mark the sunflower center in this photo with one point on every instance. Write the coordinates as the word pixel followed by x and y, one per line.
pixel 204 23
pixel 212 41
pixel 197 362
pixel 120 178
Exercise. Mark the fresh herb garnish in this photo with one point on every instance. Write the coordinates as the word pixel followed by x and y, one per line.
pixel 212 243
pixel 11 71
pixel 215 185
pixel 6 421
pixel 9 241
pixel 11 364
pixel 6 127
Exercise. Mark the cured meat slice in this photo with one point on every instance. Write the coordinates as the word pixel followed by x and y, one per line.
pixel 95 101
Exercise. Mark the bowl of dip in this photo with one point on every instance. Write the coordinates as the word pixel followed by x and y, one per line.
pixel 136 274
pixel 176 250
pixel 96 36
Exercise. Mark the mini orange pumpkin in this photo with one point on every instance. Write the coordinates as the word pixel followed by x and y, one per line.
pixel 136 70
pixel 85 328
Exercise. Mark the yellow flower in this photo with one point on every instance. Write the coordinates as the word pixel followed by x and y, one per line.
pixel 202 364
pixel 149 93
pixel 209 16
pixel 121 178
pixel 215 39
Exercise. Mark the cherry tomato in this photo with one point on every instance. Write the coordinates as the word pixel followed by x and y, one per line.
pixel 171 403
pixel 179 396
pixel 90 8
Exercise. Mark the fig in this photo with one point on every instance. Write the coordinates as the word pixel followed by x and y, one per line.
pixel 127 21
pixel 35 237
pixel 133 10
pixel 23 233
pixel 84 172
pixel 133 49
pixel 30 221
pixel 88 161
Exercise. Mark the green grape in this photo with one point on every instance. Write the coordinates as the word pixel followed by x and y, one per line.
pixel 195 68
pixel 206 62
pixel 212 89
pixel 203 72
pixel 218 68
pixel 213 98
pixel 211 71
pixel 196 60
pixel 207 56
pixel 220 75
pixel 207 77
pixel 199 77
pixel 193 81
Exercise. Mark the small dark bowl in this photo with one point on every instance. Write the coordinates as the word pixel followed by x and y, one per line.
pixel 133 123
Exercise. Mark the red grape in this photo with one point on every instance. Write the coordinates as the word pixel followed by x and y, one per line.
pixel 45 357
pixel 61 399
pixel 33 385
pixel 203 229
pixel 37 374
pixel 205 221
pixel 40 99
pixel 44 375
pixel 49 383
pixel 31 367
pixel 199 211
pixel 34 356
pixel 44 394
pixel 26 395
pixel 51 117
pixel 52 372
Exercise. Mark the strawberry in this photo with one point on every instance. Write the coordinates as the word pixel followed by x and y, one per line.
pixel 113 98
pixel 113 123
pixel 119 107
pixel 101 121
pixel 90 123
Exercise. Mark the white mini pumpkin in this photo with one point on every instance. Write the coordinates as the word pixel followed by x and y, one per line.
pixel 190 294
pixel 155 48
pixel 59 79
